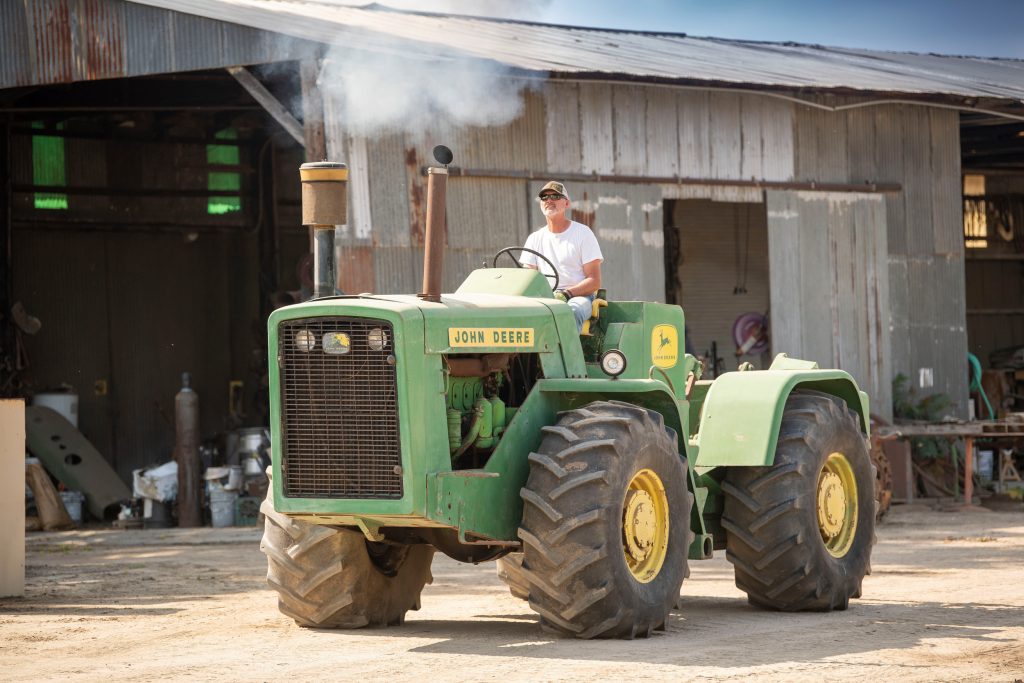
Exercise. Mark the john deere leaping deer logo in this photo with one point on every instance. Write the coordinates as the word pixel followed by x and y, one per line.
pixel 664 346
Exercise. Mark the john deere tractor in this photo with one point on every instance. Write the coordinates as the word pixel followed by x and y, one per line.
pixel 481 424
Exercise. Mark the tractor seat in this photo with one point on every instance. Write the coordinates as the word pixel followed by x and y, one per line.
pixel 595 312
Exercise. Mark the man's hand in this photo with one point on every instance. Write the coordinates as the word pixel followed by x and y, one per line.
pixel 563 295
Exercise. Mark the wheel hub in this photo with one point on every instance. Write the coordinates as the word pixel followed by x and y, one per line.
pixel 831 504
pixel 837 504
pixel 645 525
pixel 639 524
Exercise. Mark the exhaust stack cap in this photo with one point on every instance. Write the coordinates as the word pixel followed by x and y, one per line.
pixel 324 194
pixel 443 155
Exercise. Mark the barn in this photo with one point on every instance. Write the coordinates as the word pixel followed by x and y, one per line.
pixel 865 203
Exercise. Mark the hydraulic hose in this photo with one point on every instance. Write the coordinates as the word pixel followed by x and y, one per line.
pixel 976 383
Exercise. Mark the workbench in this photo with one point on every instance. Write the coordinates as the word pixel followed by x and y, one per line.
pixel 968 432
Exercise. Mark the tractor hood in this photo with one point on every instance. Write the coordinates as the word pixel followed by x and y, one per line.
pixel 496 310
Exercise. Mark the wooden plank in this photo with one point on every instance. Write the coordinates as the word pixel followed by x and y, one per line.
pixel 389 193
pixel 596 134
pixel 833 164
pixel 562 126
pixel 784 265
pixel 860 146
pixel 947 207
pixel 751 137
pixel 694 134
pixel 662 133
pixel 269 103
pixel 805 146
pixel 879 346
pixel 777 122
pixel 844 284
pixel 725 127
pixel 12 497
pixel 817 296
pixel 629 129
pixel 889 161
pixel 360 216
pixel 917 187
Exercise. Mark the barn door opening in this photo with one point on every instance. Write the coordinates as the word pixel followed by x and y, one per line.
pixel 716 268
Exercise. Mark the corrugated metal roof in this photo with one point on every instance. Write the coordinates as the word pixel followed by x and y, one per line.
pixel 62 41
pixel 569 50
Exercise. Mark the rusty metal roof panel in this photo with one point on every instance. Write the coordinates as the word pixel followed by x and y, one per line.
pixel 62 41
pixel 571 50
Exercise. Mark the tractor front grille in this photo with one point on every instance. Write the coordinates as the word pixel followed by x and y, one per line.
pixel 339 413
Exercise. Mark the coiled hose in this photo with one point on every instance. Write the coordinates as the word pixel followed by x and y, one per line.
pixel 976 383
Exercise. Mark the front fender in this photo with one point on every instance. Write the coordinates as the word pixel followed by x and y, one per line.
pixel 742 412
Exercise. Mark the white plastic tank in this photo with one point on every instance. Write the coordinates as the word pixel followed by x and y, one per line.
pixel 64 402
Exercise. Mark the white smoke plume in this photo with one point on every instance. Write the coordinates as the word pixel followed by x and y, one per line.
pixel 390 90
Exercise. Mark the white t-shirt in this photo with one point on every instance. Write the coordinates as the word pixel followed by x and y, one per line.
pixel 568 250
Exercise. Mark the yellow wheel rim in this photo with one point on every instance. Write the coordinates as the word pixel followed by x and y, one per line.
pixel 837 505
pixel 645 525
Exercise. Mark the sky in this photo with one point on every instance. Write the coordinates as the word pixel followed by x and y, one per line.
pixel 985 28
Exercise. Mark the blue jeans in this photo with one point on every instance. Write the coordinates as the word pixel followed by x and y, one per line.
pixel 581 306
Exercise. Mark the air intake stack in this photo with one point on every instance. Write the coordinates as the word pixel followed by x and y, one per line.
pixel 324 206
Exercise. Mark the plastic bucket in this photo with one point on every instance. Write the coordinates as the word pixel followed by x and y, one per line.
pixel 222 507
pixel 73 504
pixel 64 403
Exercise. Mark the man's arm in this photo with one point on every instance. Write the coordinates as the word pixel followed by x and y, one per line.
pixel 591 281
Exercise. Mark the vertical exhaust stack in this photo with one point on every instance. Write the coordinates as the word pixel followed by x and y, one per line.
pixel 433 252
pixel 324 206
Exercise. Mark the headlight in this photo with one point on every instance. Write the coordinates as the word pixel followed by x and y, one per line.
pixel 305 340
pixel 377 339
pixel 613 362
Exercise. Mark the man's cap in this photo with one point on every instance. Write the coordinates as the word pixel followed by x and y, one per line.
pixel 554 186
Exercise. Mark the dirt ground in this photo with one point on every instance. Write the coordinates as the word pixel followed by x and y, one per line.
pixel 945 602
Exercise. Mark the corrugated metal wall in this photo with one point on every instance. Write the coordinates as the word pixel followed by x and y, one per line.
pixel 918 147
pixel 60 41
pixel 626 129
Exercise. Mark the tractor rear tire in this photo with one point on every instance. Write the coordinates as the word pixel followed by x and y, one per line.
pixel 510 570
pixel 331 578
pixel 606 522
pixel 800 532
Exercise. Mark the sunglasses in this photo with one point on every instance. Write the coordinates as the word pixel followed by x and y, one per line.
pixel 551 197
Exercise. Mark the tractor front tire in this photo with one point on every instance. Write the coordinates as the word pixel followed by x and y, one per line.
pixel 800 532
pixel 331 578
pixel 606 522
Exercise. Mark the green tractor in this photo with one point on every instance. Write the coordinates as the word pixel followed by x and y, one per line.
pixel 481 424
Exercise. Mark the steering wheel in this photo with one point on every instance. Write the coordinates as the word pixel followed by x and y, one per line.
pixel 542 257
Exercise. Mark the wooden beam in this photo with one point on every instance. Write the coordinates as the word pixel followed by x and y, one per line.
pixel 270 103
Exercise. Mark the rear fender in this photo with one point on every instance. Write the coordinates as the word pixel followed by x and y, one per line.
pixel 742 413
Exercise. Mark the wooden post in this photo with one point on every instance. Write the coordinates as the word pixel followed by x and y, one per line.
pixel 12 497
pixel 968 469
